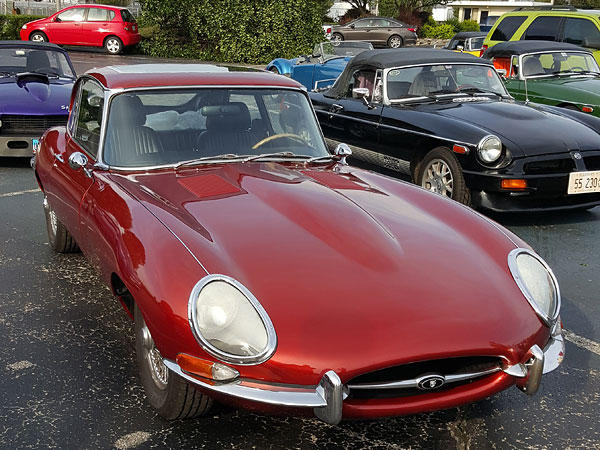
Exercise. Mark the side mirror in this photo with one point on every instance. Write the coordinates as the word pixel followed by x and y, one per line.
pixel 502 73
pixel 342 151
pixel 360 93
pixel 352 26
pixel 57 19
pixel 78 161
pixel 460 48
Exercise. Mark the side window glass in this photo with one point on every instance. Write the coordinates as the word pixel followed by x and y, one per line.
pixel 97 15
pixel 543 28
pixel 507 27
pixel 72 123
pixel 576 30
pixel 89 117
pixel 362 78
pixel 71 15
pixel 362 23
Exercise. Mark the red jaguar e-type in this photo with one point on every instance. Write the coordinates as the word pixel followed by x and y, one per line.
pixel 262 270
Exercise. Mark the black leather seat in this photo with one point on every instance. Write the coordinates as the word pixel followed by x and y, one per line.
pixel 129 142
pixel 36 60
pixel 228 130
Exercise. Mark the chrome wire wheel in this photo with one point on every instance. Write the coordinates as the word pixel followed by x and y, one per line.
pixel 154 360
pixel 437 177
pixel 51 217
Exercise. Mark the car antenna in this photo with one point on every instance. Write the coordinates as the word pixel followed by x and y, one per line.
pixel 526 94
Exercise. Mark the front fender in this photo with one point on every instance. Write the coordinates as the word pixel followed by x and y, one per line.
pixel 283 66
pixel 589 120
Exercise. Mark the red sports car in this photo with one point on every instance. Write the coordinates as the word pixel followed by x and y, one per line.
pixel 260 269
pixel 110 27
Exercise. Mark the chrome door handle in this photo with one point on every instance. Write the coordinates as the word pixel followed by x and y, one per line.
pixel 336 108
pixel 59 157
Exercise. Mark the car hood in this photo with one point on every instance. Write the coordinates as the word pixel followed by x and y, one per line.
pixel 585 85
pixel 354 270
pixel 527 130
pixel 34 97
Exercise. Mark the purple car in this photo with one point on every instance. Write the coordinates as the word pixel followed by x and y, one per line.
pixel 36 80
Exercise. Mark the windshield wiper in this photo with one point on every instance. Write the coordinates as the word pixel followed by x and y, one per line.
pixel 475 90
pixel 320 158
pixel 272 155
pixel 579 72
pixel 7 74
pixel 210 159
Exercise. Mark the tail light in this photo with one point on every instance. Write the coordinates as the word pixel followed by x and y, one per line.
pixel 328 30
pixel 482 51
pixel 414 30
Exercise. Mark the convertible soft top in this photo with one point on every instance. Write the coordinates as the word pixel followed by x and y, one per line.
pixel 32 45
pixel 388 58
pixel 509 48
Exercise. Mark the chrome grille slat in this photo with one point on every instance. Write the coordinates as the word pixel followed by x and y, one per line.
pixel 13 124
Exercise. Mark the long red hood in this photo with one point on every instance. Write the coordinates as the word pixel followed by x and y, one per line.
pixel 356 271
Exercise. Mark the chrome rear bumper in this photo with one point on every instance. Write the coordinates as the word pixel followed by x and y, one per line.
pixel 328 396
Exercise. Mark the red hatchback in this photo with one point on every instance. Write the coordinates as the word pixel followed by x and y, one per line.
pixel 88 25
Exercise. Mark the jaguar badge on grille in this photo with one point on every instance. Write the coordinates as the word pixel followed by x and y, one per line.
pixel 430 381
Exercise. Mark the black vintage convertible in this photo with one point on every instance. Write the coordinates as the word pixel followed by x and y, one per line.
pixel 446 120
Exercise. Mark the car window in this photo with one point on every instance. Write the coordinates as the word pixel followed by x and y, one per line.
pixel 543 28
pixel 362 23
pixel 576 30
pixel 100 15
pixel 476 43
pixel 89 117
pixel 361 78
pixel 127 16
pixel 507 27
pixel 72 15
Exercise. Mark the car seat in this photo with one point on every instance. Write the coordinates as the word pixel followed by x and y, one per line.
pixel 36 60
pixel 532 66
pixel 228 130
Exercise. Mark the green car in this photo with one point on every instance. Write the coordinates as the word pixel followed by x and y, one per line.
pixel 554 73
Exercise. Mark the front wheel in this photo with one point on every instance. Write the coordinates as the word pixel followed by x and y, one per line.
pixel 274 70
pixel 395 41
pixel 59 237
pixel 166 391
pixel 113 45
pixel 337 37
pixel 38 36
pixel 440 172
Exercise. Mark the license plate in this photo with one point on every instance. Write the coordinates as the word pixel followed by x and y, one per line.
pixel 35 145
pixel 584 182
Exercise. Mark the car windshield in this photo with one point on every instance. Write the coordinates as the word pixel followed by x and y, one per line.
pixel 476 43
pixel 559 63
pixel 185 126
pixel 435 81
pixel 21 59
pixel 336 49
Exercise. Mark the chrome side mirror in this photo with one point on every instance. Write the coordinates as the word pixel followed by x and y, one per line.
pixel 342 151
pixel 360 93
pixel 79 161
pixel 460 48
pixel 502 73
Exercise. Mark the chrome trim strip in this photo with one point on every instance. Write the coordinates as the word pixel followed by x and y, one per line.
pixel 220 354
pixel 514 270
pixel 554 352
pixel 326 398
pixel 413 383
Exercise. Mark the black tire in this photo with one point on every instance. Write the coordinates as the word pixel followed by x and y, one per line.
pixel 171 396
pixel 113 45
pixel 395 41
pixel 337 37
pixel 59 237
pixel 274 70
pixel 38 36
pixel 430 172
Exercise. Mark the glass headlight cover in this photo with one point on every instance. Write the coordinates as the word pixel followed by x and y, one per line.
pixel 537 282
pixel 229 322
pixel 489 149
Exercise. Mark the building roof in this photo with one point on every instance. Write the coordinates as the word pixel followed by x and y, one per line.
pixel 510 48
pixel 158 75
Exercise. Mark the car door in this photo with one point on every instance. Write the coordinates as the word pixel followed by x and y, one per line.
pixel 97 26
pixel 381 30
pixel 66 29
pixel 350 120
pixel 358 31
pixel 68 182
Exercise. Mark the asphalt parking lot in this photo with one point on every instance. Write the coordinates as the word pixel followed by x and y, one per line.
pixel 69 376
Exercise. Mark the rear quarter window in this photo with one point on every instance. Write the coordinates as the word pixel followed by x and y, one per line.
pixel 543 29
pixel 127 16
pixel 577 30
pixel 507 27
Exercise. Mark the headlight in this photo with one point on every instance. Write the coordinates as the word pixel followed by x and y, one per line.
pixel 229 322
pixel 537 282
pixel 24 27
pixel 489 149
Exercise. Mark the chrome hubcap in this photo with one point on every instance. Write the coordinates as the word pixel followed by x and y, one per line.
pixel 113 46
pixel 395 43
pixel 438 178
pixel 37 38
pixel 154 360
pixel 336 37
pixel 51 217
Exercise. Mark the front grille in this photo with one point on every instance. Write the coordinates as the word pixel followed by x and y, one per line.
pixel 13 124
pixel 552 166
pixel 592 162
pixel 478 366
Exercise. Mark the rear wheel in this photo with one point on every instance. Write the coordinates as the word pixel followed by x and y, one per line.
pixel 395 41
pixel 167 393
pixel 440 172
pixel 113 45
pixel 337 37
pixel 59 237
pixel 38 36
pixel 274 70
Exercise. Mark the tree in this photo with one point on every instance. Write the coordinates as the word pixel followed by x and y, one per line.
pixel 361 5
pixel 395 7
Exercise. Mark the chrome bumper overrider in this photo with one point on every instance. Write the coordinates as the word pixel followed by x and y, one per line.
pixel 327 397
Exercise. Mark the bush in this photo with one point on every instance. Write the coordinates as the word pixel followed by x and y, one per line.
pixel 245 31
pixel 442 31
pixel 469 25
pixel 10 25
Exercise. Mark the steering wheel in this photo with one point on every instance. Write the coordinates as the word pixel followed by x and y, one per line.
pixel 278 136
pixel 581 69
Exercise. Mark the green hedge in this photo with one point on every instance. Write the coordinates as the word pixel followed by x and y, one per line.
pixel 246 31
pixel 10 25
pixel 445 30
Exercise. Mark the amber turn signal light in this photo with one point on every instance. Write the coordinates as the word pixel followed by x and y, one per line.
pixel 206 369
pixel 514 184
pixel 460 149
pixel 587 109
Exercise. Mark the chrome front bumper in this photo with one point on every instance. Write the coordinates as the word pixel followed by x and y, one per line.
pixel 327 397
